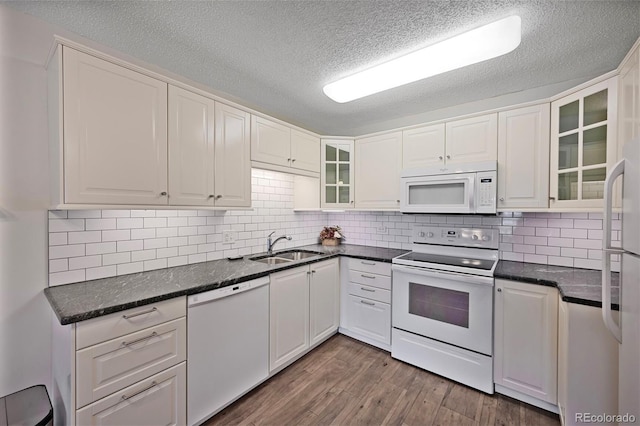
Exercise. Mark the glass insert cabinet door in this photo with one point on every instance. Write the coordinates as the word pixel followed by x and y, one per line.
pixel 583 145
pixel 337 173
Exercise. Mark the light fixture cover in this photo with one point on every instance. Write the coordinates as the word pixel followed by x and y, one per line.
pixel 486 42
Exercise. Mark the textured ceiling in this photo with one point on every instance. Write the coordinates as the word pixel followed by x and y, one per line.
pixel 275 56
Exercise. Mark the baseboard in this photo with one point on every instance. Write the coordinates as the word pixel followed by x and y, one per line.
pixel 526 398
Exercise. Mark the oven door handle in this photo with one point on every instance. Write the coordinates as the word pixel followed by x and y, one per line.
pixel 452 276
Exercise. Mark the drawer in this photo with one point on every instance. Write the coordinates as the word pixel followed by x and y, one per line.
pixel 158 400
pixel 370 266
pixel 118 324
pixel 369 292
pixel 110 366
pixel 370 319
pixel 369 279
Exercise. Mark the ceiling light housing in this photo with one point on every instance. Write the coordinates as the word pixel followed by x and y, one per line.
pixel 483 43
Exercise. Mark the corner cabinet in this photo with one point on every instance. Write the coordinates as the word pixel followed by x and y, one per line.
pixel 526 347
pixel 337 174
pixel 583 145
pixel 303 310
pixel 523 158
pixel 114 144
pixel 378 164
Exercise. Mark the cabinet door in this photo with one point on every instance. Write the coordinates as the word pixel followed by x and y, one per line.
pixel 158 400
pixel 305 151
pixel 523 158
pixel 115 133
pixel 628 109
pixel 232 157
pixel 526 344
pixel 472 139
pixel 369 318
pixel 583 145
pixel 378 166
pixel 324 289
pixel 423 147
pixel 191 151
pixel 336 175
pixel 270 142
pixel 288 315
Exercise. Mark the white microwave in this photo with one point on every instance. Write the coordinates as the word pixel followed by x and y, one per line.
pixel 463 188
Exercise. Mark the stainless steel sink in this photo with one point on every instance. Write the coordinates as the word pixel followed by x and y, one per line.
pixel 284 257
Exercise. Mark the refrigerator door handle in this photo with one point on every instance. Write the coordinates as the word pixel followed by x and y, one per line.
pixel 608 251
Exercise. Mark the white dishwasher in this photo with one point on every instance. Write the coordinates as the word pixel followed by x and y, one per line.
pixel 228 346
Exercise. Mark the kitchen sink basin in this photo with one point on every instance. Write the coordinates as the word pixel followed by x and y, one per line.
pixel 284 257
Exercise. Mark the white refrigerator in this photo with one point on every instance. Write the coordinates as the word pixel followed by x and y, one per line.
pixel 627 330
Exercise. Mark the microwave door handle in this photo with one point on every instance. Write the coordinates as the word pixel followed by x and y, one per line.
pixel 472 193
pixel 608 251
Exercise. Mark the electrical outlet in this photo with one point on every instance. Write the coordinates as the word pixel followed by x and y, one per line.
pixel 228 237
pixel 382 229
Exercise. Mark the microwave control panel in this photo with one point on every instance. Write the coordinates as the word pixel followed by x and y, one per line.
pixel 486 184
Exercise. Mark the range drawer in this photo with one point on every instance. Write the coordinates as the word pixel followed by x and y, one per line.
pixel 110 366
pixel 370 266
pixel 111 326
pixel 369 292
pixel 158 400
pixel 370 279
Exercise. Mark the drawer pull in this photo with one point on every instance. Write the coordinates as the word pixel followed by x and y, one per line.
pixel 152 335
pixel 368 276
pixel 140 313
pixel 152 385
pixel 368 303
pixel 368 263
pixel 367 289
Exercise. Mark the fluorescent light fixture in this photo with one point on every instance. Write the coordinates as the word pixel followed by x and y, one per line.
pixel 489 41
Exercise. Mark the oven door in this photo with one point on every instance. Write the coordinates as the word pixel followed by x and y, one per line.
pixel 438 194
pixel 449 307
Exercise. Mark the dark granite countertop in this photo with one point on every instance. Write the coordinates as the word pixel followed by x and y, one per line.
pixel 582 286
pixel 85 300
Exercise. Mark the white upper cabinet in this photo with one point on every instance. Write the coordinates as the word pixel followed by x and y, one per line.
pixel 523 158
pixel 305 151
pixel 191 148
pixel 378 163
pixel 472 139
pixel 232 157
pixel 209 147
pixel 115 133
pixel 270 142
pixel 337 176
pixel 583 145
pixel 629 102
pixel 423 147
pixel 288 149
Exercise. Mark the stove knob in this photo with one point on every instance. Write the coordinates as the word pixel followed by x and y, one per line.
pixel 474 237
pixel 486 238
pixel 421 234
pixel 430 234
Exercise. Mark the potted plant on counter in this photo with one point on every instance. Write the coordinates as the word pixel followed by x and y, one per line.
pixel 331 236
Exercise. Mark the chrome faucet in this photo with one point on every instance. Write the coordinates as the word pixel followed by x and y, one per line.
pixel 270 243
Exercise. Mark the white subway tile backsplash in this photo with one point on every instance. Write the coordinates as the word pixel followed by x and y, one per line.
pixel 130 241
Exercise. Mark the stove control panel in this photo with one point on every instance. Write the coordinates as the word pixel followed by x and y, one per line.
pixel 463 237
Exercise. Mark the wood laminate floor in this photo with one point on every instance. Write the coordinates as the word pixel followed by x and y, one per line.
pixel 346 382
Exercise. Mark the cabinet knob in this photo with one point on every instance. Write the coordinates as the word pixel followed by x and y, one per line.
pixel 397 201
pixel 552 198
pixel 163 194
pixel 441 157
pixel 351 201
pixel 293 160
pixel 501 198
pixel 288 159
pixel 218 197
pixel 211 196
pixel 448 157
pixel 499 290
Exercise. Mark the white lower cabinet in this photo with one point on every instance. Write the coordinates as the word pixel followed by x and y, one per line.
pixel 303 310
pixel 587 364
pixel 157 400
pixel 366 302
pixel 526 351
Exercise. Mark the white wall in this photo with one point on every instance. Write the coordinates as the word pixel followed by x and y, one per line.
pixel 25 315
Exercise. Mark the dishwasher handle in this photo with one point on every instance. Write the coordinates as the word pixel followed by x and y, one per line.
pixel 230 290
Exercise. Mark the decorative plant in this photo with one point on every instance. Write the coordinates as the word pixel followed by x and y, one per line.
pixel 331 232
